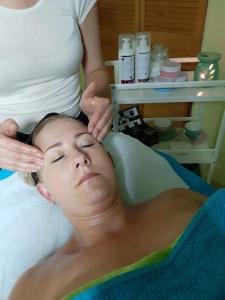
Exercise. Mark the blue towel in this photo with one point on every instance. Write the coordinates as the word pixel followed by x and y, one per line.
pixel 5 173
pixel 195 269
pixel 195 183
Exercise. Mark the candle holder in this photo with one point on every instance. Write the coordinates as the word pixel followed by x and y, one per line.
pixel 208 66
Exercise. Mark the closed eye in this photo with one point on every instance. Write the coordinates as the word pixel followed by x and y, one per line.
pixel 57 159
pixel 88 145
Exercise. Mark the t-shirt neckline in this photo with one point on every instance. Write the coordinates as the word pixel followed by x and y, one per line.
pixel 16 11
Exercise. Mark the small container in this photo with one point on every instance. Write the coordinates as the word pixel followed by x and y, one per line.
pixel 126 58
pixel 208 67
pixel 193 130
pixel 170 70
pixel 182 77
pixel 162 125
pixel 142 57
pixel 159 55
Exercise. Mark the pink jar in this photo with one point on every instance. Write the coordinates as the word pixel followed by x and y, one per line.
pixel 170 70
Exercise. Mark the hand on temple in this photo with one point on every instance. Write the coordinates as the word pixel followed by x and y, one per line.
pixel 98 110
pixel 14 155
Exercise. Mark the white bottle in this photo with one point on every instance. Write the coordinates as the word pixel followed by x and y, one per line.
pixel 142 57
pixel 126 58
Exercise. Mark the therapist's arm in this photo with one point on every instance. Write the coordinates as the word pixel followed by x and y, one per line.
pixel 95 102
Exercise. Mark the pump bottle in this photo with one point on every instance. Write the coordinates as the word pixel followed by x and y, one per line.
pixel 142 57
pixel 126 58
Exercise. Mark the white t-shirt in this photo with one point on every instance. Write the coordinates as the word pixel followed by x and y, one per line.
pixel 40 56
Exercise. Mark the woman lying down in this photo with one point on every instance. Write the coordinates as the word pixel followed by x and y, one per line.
pixel 170 247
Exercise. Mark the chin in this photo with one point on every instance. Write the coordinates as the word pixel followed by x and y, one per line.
pixel 99 206
pixel 98 187
pixel 101 196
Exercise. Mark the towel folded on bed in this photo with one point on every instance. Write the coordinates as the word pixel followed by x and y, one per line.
pixel 194 269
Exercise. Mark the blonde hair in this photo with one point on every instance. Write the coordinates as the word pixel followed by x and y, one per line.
pixel 32 179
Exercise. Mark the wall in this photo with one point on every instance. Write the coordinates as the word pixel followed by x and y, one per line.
pixel 214 40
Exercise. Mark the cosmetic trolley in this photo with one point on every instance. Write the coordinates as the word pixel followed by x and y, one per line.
pixel 200 92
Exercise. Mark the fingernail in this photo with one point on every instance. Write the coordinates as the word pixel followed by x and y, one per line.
pixel 95 133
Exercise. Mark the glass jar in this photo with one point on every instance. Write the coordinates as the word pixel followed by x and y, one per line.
pixel 208 66
pixel 159 55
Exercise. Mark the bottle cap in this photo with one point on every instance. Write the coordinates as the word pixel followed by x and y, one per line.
pixel 143 39
pixel 126 42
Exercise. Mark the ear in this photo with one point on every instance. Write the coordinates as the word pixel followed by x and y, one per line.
pixel 44 192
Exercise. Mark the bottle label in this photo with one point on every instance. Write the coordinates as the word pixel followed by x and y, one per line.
pixel 126 69
pixel 142 66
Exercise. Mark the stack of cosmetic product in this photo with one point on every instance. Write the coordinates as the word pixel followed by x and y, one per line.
pixel 171 71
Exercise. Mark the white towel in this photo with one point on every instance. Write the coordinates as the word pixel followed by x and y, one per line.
pixel 30 229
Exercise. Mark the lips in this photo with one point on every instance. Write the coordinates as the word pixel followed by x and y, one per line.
pixel 86 177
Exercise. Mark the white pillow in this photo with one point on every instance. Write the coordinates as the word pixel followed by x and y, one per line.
pixel 32 228
pixel 139 169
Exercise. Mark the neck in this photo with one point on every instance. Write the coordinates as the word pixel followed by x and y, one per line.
pixel 90 230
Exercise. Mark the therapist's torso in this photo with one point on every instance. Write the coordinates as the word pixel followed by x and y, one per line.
pixel 41 52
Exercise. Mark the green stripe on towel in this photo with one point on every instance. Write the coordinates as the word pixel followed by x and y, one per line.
pixel 151 259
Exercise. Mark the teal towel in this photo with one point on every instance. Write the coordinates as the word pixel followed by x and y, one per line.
pixel 5 173
pixel 195 268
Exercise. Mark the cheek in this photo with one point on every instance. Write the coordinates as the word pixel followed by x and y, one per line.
pixel 108 180
pixel 107 167
pixel 58 181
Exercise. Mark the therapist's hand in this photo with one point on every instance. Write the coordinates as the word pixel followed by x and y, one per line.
pixel 14 155
pixel 98 110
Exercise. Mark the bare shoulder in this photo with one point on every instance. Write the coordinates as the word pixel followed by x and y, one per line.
pixel 177 199
pixel 44 281
pixel 40 282
pixel 181 200
pixel 187 194
pixel 24 288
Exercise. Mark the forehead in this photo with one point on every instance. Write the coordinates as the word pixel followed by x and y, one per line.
pixel 59 129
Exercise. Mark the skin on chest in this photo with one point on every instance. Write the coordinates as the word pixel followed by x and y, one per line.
pixel 72 271
pixel 155 228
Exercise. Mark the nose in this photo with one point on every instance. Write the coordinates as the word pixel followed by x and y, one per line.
pixel 81 159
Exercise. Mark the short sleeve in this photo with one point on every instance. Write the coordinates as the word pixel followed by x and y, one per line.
pixel 82 8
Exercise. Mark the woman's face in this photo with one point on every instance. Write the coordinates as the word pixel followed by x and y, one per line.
pixel 77 173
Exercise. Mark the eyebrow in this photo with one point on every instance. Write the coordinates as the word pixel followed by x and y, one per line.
pixel 77 135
